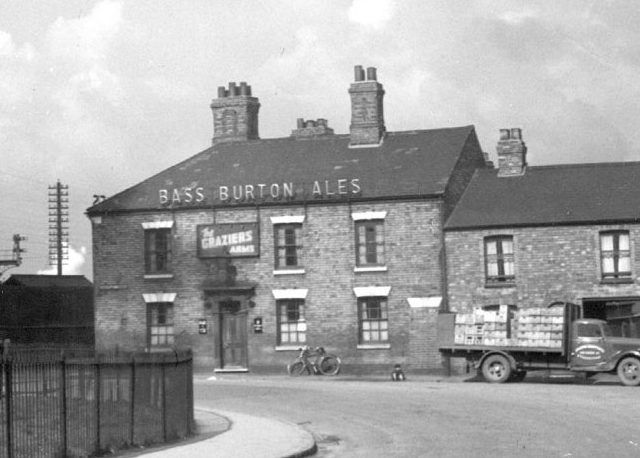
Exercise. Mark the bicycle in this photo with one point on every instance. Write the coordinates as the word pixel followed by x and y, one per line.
pixel 316 361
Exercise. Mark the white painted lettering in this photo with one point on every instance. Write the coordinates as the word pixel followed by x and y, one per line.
pixel 316 189
pixel 224 193
pixel 248 235
pixel 275 190
pixel 199 194
pixel 262 186
pixel 342 187
pixel 164 196
pixel 248 192
pixel 237 192
pixel 326 187
pixel 176 197
pixel 287 189
pixel 188 197
pixel 355 186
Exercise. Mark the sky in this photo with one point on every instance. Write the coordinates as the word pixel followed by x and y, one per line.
pixel 104 94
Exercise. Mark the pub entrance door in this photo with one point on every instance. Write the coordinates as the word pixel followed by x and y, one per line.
pixel 232 335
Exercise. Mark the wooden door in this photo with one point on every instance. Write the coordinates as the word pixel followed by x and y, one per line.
pixel 233 335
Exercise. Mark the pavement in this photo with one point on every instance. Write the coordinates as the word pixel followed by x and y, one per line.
pixel 228 434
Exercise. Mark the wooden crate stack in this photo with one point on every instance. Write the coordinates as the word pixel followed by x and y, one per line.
pixel 538 327
pixel 483 327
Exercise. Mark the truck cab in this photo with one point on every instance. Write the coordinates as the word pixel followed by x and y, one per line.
pixel 595 349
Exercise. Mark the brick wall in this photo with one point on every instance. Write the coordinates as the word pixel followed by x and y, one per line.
pixel 413 254
pixel 551 263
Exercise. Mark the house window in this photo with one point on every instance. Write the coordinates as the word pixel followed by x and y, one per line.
pixel 373 321
pixel 288 245
pixel 160 324
pixel 157 252
pixel 615 255
pixel 370 243
pixel 292 327
pixel 498 257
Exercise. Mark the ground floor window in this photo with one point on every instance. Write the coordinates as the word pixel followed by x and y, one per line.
pixel 373 321
pixel 160 324
pixel 292 326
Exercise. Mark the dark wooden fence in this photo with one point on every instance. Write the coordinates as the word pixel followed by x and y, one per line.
pixel 77 405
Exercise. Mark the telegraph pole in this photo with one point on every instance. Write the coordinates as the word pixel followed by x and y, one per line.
pixel 58 225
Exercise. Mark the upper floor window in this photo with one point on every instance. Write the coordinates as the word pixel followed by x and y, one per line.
pixel 370 243
pixel 157 250
pixel 292 327
pixel 373 321
pixel 498 258
pixel 615 255
pixel 288 244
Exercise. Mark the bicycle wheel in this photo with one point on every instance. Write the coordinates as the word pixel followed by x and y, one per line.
pixel 296 368
pixel 330 365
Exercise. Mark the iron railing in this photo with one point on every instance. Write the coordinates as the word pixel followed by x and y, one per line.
pixel 56 405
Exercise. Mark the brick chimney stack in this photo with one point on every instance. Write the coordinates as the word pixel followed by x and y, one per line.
pixel 367 116
pixel 512 153
pixel 235 114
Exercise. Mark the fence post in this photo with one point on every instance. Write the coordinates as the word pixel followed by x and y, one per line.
pixel 8 365
pixel 97 397
pixel 63 402
pixel 132 395
pixel 190 419
pixel 164 401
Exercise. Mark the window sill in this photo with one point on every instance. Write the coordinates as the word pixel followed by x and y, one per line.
pixel 373 346
pixel 616 281
pixel 288 347
pixel 370 269
pixel 289 272
pixel 500 285
pixel 157 276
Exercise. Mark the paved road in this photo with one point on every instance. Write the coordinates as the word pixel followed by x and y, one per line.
pixel 426 417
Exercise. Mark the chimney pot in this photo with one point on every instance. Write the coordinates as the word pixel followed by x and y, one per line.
pixel 322 122
pixel 367 114
pixel 300 123
pixel 512 153
pixel 235 118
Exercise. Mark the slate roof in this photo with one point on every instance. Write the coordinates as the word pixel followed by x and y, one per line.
pixel 407 164
pixel 551 195
pixel 49 281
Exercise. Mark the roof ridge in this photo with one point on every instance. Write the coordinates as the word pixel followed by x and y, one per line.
pixel 583 165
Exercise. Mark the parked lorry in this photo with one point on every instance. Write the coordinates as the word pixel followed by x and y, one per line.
pixel 503 344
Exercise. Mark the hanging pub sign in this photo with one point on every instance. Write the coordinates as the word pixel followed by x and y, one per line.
pixel 234 240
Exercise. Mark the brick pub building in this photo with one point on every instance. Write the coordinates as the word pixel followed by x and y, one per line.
pixel 254 247
pixel 531 235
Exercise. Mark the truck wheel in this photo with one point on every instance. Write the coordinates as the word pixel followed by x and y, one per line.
pixel 629 371
pixel 496 369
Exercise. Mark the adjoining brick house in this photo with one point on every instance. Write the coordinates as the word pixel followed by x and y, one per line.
pixel 532 235
pixel 254 247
